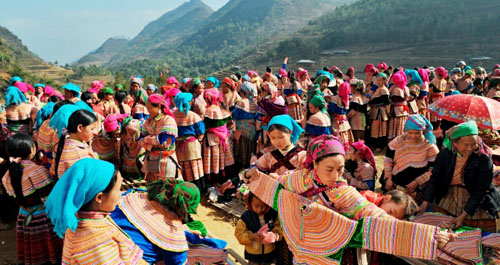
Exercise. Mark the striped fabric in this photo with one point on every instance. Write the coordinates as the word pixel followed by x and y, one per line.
pixel 73 151
pixel 294 104
pixel 319 119
pixel 378 128
pixel 34 177
pixel 182 120
pixel 106 148
pixel 396 126
pixel 109 107
pixel 203 255
pixel 436 219
pixel 266 162
pixel 161 226
pixel 400 238
pixel 46 137
pixel 454 203
pixel 266 188
pixel 20 118
pixel 491 244
pixel 98 240
pixel 130 147
pixel 192 169
pixel 466 247
pixel 215 158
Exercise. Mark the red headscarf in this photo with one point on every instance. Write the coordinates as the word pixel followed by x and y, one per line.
pixel 365 153
pixel 228 81
pixel 370 68
pixel 344 91
pixel 158 99
pixel 441 71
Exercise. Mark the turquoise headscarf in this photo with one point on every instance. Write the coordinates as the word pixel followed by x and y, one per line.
pixel 288 122
pixel 72 87
pixel 415 77
pixel 182 101
pixel 420 123
pixel 15 79
pixel 78 186
pixel 39 85
pixel 460 130
pixel 60 119
pixel 214 80
pixel 14 96
pixel 44 114
pixel 84 105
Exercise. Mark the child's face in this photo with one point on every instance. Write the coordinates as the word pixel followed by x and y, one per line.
pixel 258 206
pixel 279 139
pixel 397 210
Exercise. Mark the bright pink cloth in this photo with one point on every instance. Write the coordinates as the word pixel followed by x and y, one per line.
pixel 160 100
pixel 268 237
pixel 172 80
pixel 212 96
pixel 252 73
pixel 222 133
pixel 344 92
pixel 424 75
pixel 112 120
pixel 95 86
pixel 23 87
pixel 302 72
pixel 370 68
pixel 441 71
pixel 283 72
pixel 399 79
pixel 171 93
pixel 365 153
pixel 48 92
pixel 383 65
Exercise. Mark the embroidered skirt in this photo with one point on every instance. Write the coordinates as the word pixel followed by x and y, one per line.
pixel 397 126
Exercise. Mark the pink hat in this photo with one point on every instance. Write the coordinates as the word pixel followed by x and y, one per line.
pixel 172 80
pixel 95 86
pixel 441 71
pixel 160 100
pixel 383 65
pixel 111 121
pixel 344 91
pixel 370 68
pixel 399 79
pixel 423 74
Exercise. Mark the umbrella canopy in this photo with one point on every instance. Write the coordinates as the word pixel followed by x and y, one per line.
pixel 461 108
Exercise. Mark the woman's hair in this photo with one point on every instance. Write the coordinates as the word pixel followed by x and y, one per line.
pixel 120 96
pixel 18 145
pixel 86 96
pixel 59 104
pixel 54 99
pixel 108 188
pixel 279 127
pixel 319 159
pixel 399 197
pixel 83 117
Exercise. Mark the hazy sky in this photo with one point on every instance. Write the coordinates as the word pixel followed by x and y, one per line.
pixel 65 30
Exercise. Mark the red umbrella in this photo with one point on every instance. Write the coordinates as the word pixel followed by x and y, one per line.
pixel 461 108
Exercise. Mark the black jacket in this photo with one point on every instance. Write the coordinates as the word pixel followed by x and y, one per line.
pixel 477 178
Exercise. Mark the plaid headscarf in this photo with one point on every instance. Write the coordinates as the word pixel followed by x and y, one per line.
pixel 322 146
pixel 420 123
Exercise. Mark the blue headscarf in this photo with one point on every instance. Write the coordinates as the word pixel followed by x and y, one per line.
pixel 250 90
pixel 60 119
pixel 72 87
pixel 182 101
pixel 415 77
pixel 82 104
pixel 14 96
pixel 15 79
pixel 420 123
pixel 288 122
pixel 44 114
pixel 214 80
pixel 152 87
pixel 39 85
pixel 78 186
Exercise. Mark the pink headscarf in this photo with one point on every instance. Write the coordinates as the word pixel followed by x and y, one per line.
pixel 171 80
pixel 112 120
pixel 283 72
pixel 322 146
pixel 171 93
pixel 365 153
pixel 95 86
pixel 23 87
pixel 212 96
pixel 370 68
pixel 48 91
pixel 302 72
pixel 252 73
pixel 441 71
pixel 158 99
pixel 424 75
pixel 399 79
pixel 344 91
pixel 383 65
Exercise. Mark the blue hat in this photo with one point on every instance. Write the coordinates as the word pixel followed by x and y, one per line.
pixel 420 123
pixel 44 113
pixel 182 101
pixel 14 96
pixel 60 119
pixel 214 81
pixel 15 79
pixel 72 87
pixel 39 85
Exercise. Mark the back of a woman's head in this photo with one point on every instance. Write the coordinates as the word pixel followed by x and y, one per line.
pixel 54 99
pixel 19 145
pixel 83 117
pixel 120 96
pixel 59 104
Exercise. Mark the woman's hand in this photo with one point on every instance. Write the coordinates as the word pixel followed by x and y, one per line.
pixel 389 185
pixel 412 186
pixel 252 174
pixel 443 237
pixel 459 220
pixel 422 208
pixel 348 176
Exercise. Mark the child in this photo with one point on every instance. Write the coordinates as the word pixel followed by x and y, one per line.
pixel 257 230
pixel 30 184
pixel 109 104
pixel 362 174
pixel 395 203
pixel 79 206
pixel 319 122
pixel 107 145
pixel 131 151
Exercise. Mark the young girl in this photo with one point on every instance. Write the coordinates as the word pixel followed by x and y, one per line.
pixel 244 115
pixel 79 207
pixel 319 122
pixel 81 126
pixel 30 184
pixel 139 110
pixel 338 107
pixel 395 203
pixel 131 150
pixel 107 145
pixel 217 154
pixel 109 103
pixel 399 107
pixel 362 174
pixel 358 108
pixel 45 136
pixel 158 135
pixel 19 112
pixel 187 146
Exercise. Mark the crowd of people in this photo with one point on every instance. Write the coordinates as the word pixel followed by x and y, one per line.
pixel 290 137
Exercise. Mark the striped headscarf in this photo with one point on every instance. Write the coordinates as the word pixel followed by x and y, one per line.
pixel 420 123
pixel 250 90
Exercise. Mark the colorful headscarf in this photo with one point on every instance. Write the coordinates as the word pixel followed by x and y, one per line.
pixel 370 68
pixel 23 87
pixel 441 72
pixel 182 101
pixel 48 92
pixel 60 118
pixel 171 93
pixel 44 113
pixel 152 87
pixel 72 87
pixel 336 71
pixel 214 81
pixel 302 72
pixel 460 130
pixel 78 186
pixel 288 122
pixel 365 153
pixel 212 96
pixel 382 75
pixel 252 73
pixel 322 146
pixel 159 100
pixel 250 90
pixel 112 122
pixel 283 73
pixel 420 123
pixel 344 92
pixel 14 96
pixel 383 65
pixel 230 82
pixel 319 101
pixel 108 90
pixel 39 85
pixel 415 77
pixel 359 85
pixel 15 79
pixel 399 79
pixel 179 196
pixel 95 86
pixel 424 75
pixel 172 80
pixel 137 80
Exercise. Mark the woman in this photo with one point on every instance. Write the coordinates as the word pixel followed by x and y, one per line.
pixel 350 75
pixel 304 80
pixel 188 147
pixel 410 157
pixel 71 92
pixel 337 108
pixel 379 112
pixel 358 108
pixel 415 84
pixel 244 116
pixel 437 87
pixel 293 93
pixel 79 207
pixel 199 103
pixel 139 110
pixel 131 150
pixel 109 104
pixel 229 93
pixel 48 92
pixel 107 144
pixel 422 99
pixel 321 182
pixel 20 114
pixel 371 74
pixel 158 136
pixel 461 181
pixel 319 122
pixel 399 107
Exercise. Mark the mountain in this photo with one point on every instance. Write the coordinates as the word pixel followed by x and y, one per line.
pixel 400 32
pixel 108 49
